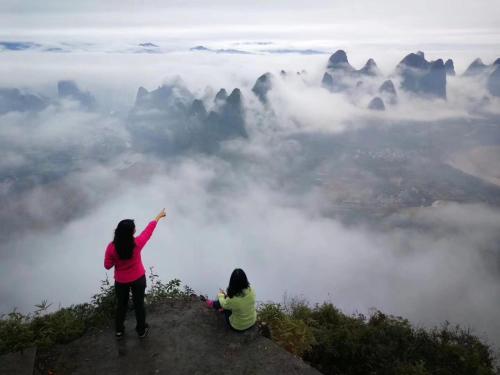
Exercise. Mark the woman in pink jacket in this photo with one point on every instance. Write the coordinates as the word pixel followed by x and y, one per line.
pixel 124 253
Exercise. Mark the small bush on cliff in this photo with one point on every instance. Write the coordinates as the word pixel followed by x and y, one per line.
pixel 336 343
pixel 159 290
pixel 289 332
pixel 15 332
pixel 43 329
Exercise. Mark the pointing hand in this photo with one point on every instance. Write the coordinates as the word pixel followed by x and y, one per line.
pixel 161 215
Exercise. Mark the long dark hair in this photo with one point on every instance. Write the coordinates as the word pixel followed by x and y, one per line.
pixel 237 283
pixel 124 238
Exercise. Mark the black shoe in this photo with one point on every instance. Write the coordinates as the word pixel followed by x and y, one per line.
pixel 144 333
pixel 119 335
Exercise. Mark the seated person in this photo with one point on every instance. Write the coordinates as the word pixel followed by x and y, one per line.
pixel 237 303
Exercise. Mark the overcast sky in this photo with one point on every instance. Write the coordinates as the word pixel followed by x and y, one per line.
pixel 367 20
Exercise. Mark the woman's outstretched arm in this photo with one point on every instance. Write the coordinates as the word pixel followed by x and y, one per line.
pixel 144 237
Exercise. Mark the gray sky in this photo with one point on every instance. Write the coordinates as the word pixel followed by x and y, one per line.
pixel 362 19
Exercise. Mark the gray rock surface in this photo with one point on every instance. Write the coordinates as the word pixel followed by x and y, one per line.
pixel 376 104
pixel 422 77
pixel 415 60
pixel 262 87
pixel 333 83
pixel 370 69
pixel 174 97
pixel 387 87
pixel 231 118
pixel 494 81
pixel 475 68
pixel 340 74
pixel 142 94
pixel 171 119
pixel 12 99
pixel 185 338
pixel 434 81
pixel 388 91
pixel 20 363
pixel 198 109
pixel 450 67
pixel 70 90
pixel 338 61
pixel 221 95
pixel 327 81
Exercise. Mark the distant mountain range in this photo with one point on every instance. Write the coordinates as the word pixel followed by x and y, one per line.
pixel 269 50
pixel 224 117
pixel 415 74
pixel 373 170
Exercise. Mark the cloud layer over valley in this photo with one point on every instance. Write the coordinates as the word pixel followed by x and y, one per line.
pixel 295 172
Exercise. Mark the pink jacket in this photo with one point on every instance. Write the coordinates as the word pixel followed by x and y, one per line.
pixel 128 270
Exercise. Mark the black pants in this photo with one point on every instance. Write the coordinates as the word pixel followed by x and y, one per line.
pixel 122 291
pixel 227 313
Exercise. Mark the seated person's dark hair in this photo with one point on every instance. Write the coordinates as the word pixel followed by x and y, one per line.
pixel 237 283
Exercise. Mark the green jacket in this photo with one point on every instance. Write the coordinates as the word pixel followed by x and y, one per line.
pixel 243 314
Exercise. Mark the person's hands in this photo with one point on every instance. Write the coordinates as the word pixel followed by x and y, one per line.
pixel 161 215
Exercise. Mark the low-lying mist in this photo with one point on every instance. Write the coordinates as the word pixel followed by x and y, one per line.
pixel 321 199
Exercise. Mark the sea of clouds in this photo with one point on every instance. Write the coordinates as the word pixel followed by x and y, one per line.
pixel 253 204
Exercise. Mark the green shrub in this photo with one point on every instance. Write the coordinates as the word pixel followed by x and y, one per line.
pixel 59 327
pixel 292 334
pixel 159 290
pixel 15 332
pixel 336 343
pixel 102 306
pixel 412 369
pixel 42 329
